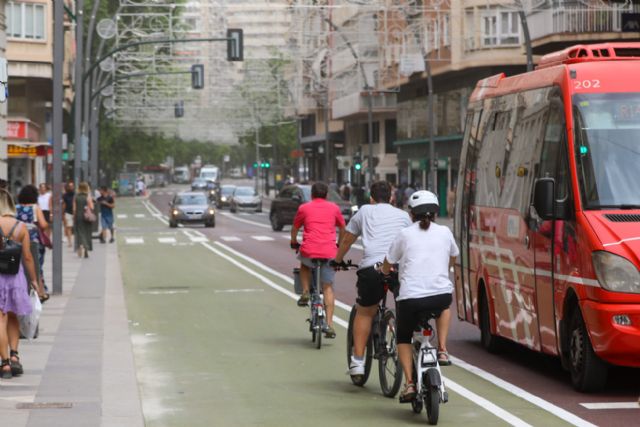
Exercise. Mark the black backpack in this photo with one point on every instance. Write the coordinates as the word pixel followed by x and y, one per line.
pixel 10 252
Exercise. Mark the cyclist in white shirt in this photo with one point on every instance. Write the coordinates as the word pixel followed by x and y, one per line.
pixel 378 223
pixel 424 251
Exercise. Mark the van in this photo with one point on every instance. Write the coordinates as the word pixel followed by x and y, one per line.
pixel 547 212
pixel 181 175
pixel 210 172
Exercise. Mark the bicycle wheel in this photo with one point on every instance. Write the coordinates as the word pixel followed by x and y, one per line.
pixel 368 352
pixel 388 362
pixel 318 331
pixel 432 402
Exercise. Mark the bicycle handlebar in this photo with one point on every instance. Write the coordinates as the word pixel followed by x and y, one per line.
pixel 344 266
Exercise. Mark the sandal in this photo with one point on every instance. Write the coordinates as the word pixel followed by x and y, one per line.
pixel 6 373
pixel 443 358
pixel 16 366
pixel 44 297
pixel 408 393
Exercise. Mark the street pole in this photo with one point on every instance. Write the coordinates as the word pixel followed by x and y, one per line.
pixel 58 68
pixel 433 163
pixel 77 103
pixel 257 169
pixel 527 38
pixel 87 105
pixel 327 157
pixel 370 124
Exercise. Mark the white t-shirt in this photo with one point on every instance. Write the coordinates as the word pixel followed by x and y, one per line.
pixel 424 260
pixel 378 224
pixel 43 201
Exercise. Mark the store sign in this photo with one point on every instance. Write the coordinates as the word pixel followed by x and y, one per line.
pixel 29 151
pixel 16 130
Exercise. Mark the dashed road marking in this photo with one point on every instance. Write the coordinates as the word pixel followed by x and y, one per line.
pixel 170 240
pixel 167 292
pixel 230 238
pixel 122 216
pixel 198 239
pixel 263 238
pixel 611 405
pixel 139 215
pixel 134 240
pixel 236 291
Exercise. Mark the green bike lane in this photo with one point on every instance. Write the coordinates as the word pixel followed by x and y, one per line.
pixel 217 343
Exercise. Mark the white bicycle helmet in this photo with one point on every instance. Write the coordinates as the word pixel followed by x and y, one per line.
pixel 423 202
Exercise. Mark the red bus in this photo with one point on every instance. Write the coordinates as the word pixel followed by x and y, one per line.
pixel 547 210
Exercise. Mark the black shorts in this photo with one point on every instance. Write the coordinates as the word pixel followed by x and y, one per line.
pixel 370 287
pixel 410 311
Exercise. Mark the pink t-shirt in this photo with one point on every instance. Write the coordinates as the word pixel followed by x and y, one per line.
pixel 320 219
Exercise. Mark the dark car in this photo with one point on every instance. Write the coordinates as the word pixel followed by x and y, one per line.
pixel 285 206
pixel 245 198
pixel 224 195
pixel 191 207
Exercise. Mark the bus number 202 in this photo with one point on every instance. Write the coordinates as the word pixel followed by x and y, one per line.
pixel 586 84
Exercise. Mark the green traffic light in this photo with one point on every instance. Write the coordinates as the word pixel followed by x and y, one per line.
pixel 358 166
pixel 255 165
pixel 267 165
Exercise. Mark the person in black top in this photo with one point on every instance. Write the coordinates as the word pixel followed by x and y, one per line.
pixel 107 203
pixel 67 207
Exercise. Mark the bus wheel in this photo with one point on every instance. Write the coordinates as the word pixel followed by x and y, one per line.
pixel 488 340
pixel 588 371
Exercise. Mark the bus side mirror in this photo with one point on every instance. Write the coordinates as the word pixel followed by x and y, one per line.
pixel 543 198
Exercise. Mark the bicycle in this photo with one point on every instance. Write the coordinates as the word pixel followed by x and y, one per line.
pixel 317 321
pixel 381 346
pixel 426 372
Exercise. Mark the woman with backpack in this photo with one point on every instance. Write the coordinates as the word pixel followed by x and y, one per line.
pixel 14 295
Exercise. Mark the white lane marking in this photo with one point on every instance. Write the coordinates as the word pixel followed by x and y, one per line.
pixel 246 221
pixel 231 238
pixel 122 216
pixel 198 239
pixel 139 215
pixel 134 240
pixel 486 404
pixel 153 210
pixel 474 398
pixel 195 236
pixel 523 394
pixel 612 405
pixel 270 270
pixel 170 240
pixel 236 291
pixel 167 292
pixel 263 238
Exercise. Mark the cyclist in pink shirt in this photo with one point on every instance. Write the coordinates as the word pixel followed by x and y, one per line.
pixel 319 218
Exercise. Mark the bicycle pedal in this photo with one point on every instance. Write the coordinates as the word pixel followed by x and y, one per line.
pixel 445 397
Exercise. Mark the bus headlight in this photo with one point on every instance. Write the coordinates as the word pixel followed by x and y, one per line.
pixel 615 273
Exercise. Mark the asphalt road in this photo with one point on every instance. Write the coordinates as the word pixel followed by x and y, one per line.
pixel 219 341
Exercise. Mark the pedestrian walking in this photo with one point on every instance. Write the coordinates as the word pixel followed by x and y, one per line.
pixel 107 203
pixel 408 191
pixel 83 228
pixel 345 191
pixel 67 207
pixel 44 200
pixel 14 294
pixel 28 212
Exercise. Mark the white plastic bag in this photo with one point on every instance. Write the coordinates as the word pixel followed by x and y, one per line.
pixel 29 323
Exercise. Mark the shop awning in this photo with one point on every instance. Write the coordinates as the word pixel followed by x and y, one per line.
pixel 416 141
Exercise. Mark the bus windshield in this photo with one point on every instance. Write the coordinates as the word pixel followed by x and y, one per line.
pixel 607 145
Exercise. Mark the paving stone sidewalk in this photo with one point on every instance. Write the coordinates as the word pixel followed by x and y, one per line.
pixel 80 371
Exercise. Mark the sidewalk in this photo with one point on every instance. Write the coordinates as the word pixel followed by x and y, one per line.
pixel 80 370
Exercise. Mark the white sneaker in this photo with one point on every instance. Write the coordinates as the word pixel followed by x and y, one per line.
pixel 356 367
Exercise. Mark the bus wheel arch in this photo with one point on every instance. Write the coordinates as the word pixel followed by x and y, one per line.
pixel 588 371
pixel 489 340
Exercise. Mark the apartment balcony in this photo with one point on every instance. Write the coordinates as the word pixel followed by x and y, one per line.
pixel 357 103
pixel 555 28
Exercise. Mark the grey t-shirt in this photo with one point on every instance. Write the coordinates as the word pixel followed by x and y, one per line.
pixel 378 225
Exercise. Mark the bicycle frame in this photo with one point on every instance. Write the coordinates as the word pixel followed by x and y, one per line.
pixel 425 359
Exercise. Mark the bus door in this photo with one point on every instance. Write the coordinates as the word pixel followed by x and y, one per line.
pixel 547 236
pixel 463 217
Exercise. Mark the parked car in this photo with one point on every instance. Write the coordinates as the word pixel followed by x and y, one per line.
pixel 191 207
pixel 224 195
pixel 235 173
pixel 245 198
pixel 285 206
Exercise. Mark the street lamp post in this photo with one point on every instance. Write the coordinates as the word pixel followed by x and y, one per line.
pixel 56 128
pixel 370 128
pixel 79 82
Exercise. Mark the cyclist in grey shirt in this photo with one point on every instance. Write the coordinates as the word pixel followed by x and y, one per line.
pixel 378 224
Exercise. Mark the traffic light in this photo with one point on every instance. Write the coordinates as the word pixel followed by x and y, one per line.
pixel 265 164
pixel 235 45
pixel 179 109
pixel 197 76
pixel 357 163
pixel 255 165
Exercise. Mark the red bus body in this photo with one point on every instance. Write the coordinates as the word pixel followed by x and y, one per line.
pixel 534 280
